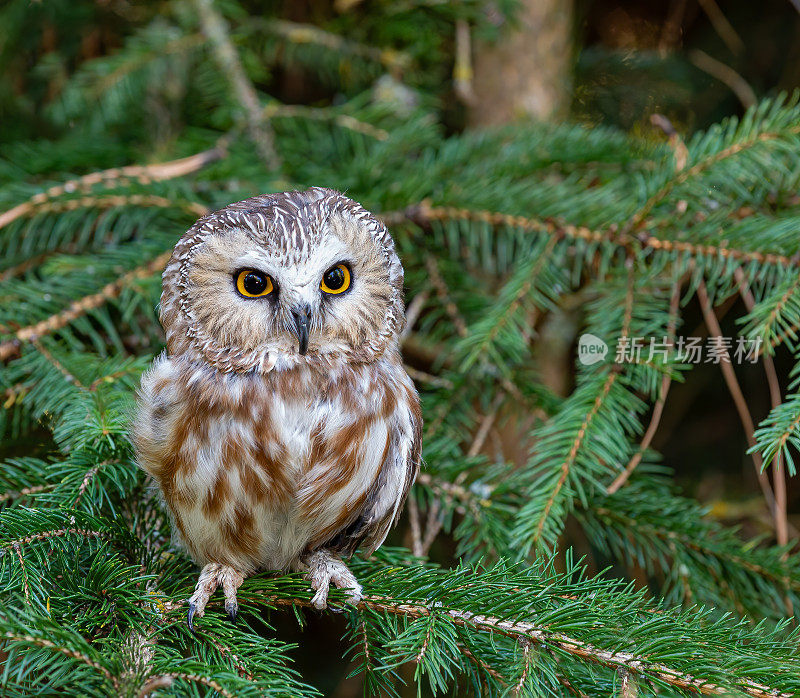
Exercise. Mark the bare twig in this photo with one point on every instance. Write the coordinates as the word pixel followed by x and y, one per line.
pixel 679 149
pixel 422 377
pixel 658 409
pixel 433 525
pixel 483 430
pixel 728 373
pixel 452 491
pixel 298 33
pixel 416 529
pixel 670 31
pixel 321 114
pixel 726 75
pixel 778 473
pixel 412 312
pixel 722 26
pixel 462 66
pixel 258 127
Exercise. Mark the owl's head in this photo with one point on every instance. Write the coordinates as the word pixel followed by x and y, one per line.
pixel 281 280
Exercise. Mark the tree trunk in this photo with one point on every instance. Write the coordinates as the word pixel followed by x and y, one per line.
pixel 526 73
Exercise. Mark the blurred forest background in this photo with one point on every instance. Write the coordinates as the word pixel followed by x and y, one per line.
pixel 539 108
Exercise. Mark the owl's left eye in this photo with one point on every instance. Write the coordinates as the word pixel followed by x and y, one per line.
pixel 253 284
pixel 336 280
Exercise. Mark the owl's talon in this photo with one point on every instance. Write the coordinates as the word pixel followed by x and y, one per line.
pixel 190 616
pixel 320 599
pixel 324 568
pixel 212 576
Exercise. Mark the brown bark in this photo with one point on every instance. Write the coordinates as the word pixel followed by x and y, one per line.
pixel 526 72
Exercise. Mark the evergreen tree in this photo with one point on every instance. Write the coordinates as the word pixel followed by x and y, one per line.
pixel 498 231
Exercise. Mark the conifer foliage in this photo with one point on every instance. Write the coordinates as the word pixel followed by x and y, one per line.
pixel 124 122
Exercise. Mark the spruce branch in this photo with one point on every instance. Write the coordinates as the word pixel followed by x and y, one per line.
pixel 649 525
pixel 80 307
pixel 577 442
pixel 539 225
pixel 74 654
pixel 56 364
pixel 414 213
pixel 780 430
pixel 443 293
pixel 529 631
pixel 114 176
pixel 58 533
pixel 24 492
pixel 750 140
pixel 634 244
pixel 533 287
pixel 777 312
pixel 59 206
pixel 166 680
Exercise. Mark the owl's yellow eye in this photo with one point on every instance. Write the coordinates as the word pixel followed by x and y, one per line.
pixel 253 284
pixel 336 280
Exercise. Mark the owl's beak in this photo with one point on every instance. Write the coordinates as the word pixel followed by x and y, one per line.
pixel 301 322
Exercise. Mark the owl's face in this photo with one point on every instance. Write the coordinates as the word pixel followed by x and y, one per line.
pixel 282 280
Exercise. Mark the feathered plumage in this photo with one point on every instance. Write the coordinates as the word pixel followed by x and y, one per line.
pixel 281 426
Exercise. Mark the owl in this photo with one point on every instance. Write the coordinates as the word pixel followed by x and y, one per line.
pixel 280 424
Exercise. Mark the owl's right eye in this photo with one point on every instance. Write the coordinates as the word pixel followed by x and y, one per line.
pixel 253 284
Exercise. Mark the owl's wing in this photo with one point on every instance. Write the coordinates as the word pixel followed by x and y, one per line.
pixel 385 500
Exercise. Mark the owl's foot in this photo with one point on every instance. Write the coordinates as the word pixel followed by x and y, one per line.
pixel 324 568
pixel 212 576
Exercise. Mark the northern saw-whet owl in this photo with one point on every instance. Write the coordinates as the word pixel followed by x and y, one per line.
pixel 280 424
